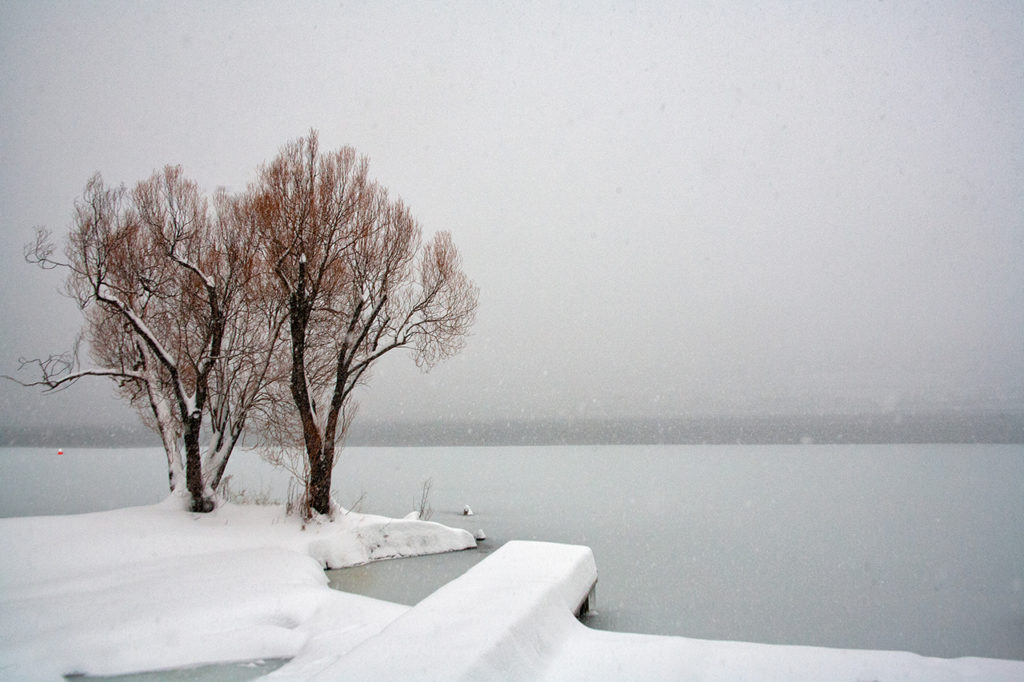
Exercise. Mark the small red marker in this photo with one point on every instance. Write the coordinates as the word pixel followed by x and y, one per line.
pixel 60 452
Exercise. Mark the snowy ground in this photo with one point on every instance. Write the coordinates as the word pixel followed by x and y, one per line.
pixel 156 587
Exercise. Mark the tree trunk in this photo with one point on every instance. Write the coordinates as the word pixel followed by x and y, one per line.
pixel 318 487
pixel 175 473
pixel 320 469
pixel 217 461
pixel 194 465
pixel 175 470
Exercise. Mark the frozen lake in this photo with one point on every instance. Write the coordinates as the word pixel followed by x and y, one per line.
pixel 911 547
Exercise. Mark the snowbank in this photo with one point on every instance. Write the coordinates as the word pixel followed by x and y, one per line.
pixel 587 654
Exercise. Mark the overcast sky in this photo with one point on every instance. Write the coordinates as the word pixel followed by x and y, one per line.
pixel 667 208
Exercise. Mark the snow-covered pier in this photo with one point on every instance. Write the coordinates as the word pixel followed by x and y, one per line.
pixel 499 618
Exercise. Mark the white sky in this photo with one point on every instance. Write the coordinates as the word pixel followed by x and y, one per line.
pixel 667 208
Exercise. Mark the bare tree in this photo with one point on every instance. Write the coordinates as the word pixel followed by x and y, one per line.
pixel 176 311
pixel 185 302
pixel 357 282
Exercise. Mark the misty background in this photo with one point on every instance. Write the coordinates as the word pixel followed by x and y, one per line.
pixel 674 214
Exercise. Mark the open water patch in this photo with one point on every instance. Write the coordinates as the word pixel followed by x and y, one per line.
pixel 408 580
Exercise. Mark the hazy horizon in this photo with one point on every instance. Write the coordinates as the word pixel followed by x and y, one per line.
pixel 920 425
pixel 667 209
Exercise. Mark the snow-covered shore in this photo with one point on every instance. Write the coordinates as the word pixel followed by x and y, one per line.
pixel 156 587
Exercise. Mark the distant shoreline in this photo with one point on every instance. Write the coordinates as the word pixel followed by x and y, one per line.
pixel 938 426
